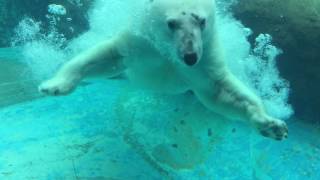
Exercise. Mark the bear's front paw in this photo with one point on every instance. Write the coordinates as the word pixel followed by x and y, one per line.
pixel 56 86
pixel 274 128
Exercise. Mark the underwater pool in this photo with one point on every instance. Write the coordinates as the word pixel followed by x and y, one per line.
pixel 78 137
pixel 108 129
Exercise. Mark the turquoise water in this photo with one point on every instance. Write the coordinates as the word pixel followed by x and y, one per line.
pixel 107 129
pixel 80 137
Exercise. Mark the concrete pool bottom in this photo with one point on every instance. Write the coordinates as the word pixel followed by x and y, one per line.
pixel 75 137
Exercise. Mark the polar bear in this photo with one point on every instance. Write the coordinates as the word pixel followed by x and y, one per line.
pixel 174 49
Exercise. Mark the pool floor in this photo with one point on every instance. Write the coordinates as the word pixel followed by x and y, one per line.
pixel 75 138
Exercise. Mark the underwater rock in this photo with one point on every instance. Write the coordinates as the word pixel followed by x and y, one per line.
pixel 15 83
pixel 71 24
pixel 294 27
pixel 6 18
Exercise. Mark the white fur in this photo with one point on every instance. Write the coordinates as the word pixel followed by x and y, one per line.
pixel 149 58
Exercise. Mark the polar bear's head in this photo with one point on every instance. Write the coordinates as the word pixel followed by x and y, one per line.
pixel 184 25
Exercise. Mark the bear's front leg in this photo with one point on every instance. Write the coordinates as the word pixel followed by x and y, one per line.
pixel 58 86
pixel 229 97
pixel 104 58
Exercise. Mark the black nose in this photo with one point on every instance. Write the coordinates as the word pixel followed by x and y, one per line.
pixel 190 59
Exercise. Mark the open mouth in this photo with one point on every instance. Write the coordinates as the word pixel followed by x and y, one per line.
pixel 190 59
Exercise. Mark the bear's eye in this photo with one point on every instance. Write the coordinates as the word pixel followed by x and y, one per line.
pixel 172 24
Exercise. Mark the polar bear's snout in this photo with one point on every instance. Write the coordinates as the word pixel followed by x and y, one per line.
pixel 190 58
pixel 190 47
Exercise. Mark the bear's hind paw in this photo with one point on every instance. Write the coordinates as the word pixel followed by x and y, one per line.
pixel 275 129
